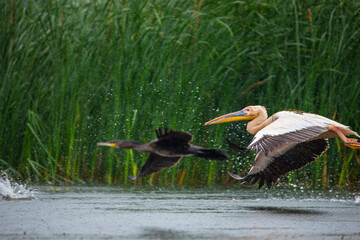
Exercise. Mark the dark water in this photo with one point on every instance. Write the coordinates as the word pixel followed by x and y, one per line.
pixel 180 213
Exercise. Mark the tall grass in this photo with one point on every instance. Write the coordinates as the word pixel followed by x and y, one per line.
pixel 74 73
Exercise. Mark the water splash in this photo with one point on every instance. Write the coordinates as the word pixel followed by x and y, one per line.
pixel 10 190
pixel 357 199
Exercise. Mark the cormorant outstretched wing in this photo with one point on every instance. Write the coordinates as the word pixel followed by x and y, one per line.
pixel 155 163
pixel 171 135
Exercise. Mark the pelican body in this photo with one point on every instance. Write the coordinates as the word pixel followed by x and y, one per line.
pixel 166 151
pixel 286 141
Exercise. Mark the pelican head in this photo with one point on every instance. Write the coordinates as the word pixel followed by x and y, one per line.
pixel 247 113
pixel 119 144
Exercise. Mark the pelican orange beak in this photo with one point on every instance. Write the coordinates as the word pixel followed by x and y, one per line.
pixel 231 117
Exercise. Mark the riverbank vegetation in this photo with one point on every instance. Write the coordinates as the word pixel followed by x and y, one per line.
pixel 74 73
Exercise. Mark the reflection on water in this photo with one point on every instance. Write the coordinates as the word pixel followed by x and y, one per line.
pixel 284 210
pixel 161 233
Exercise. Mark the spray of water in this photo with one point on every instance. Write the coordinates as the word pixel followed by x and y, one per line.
pixel 11 190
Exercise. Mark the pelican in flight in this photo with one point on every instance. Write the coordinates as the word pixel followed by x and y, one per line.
pixel 166 151
pixel 286 141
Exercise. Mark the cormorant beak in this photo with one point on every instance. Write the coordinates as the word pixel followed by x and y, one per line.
pixel 108 144
pixel 231 117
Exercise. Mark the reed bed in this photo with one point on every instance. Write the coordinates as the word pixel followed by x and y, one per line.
pixel 74 73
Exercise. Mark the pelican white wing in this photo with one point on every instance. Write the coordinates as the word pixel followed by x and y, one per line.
pixel 292 127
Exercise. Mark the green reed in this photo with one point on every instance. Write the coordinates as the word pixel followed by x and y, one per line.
pixel 76 73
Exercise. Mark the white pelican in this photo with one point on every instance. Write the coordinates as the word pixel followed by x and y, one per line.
pixel 166 151
pixel 286 141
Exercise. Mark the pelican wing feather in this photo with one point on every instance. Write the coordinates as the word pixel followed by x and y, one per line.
pixel 290 127
pixel 270 168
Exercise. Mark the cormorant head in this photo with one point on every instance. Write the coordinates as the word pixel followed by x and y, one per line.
pixel 119 144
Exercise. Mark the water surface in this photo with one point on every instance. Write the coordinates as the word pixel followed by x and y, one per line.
pixel 181 213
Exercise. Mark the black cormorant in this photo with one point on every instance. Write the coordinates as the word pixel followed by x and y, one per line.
pixel 166 151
